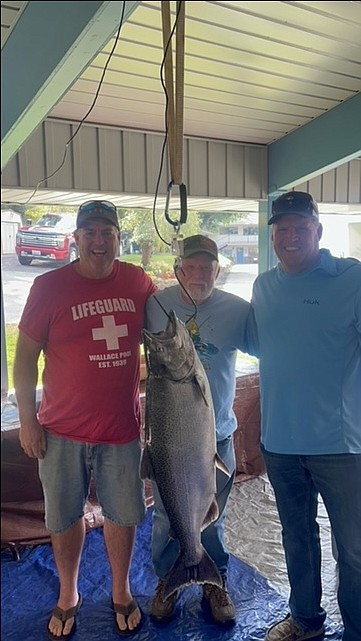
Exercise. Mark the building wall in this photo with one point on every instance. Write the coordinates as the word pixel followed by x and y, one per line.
pixel 239 241
pixel 113 160
pixel 10 223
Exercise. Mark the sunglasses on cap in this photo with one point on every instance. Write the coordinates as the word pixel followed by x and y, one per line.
pixel 89 205
pixel 102 210
pixel 294 202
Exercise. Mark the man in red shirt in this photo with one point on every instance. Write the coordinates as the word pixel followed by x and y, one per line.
pixel 86 317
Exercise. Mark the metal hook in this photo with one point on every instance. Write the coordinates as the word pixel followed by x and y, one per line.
pixel 183 206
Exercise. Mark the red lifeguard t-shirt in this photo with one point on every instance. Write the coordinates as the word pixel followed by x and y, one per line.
pixel 90 333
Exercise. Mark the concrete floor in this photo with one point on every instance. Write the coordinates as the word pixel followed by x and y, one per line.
pixel 253 534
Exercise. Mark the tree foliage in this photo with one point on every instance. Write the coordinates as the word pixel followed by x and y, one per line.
pixel 213 221
pixel 156 230
pixel 34 212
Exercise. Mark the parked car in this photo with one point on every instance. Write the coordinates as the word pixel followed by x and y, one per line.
pixel 50 238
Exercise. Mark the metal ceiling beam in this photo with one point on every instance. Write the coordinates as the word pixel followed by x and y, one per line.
pixel 50 46
pixel 322 144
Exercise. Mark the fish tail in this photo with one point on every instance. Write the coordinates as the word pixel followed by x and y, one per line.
pixel 181 575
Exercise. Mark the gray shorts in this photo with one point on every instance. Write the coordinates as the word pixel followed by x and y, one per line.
pixel 65 473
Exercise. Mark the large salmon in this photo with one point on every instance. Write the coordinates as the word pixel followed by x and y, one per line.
pixel 180 448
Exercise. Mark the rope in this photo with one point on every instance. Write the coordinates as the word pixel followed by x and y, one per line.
pixel 175 112
pixel 179 108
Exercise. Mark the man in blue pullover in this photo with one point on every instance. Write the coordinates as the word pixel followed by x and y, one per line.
pixel 308 314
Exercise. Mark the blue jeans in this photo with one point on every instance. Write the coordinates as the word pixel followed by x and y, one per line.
pixel 297 481
pixel 165 550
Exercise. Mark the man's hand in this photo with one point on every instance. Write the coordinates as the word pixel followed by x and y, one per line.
pixel 32 439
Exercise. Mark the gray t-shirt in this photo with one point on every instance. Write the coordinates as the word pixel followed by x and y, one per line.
pixel 218 330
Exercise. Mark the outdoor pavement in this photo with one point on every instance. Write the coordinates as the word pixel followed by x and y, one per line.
pixel 240 280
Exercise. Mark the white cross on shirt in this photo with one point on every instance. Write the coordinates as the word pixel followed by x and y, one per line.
pixel 110 332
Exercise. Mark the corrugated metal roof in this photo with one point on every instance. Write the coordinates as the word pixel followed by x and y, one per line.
pixel 254 71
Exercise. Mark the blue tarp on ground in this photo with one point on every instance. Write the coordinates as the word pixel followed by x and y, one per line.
pixel 30 591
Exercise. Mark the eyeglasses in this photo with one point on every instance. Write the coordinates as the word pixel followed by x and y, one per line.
pixel 295 203
pixel 89 205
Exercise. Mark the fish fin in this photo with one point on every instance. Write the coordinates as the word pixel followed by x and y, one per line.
pixel 199 380
pixel 221 465
pixel 146 465
pixel 212 515
pixel 181 575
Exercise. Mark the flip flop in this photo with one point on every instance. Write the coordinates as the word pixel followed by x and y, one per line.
pixel 126 611
pixel 63 616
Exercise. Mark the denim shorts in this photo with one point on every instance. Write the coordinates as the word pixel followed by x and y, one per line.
pixel 65 474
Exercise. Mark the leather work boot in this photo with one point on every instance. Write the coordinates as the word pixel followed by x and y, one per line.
pixel 162 610
pixel 220 603
pixel 289 630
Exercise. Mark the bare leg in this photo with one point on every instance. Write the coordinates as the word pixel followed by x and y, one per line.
pixel 67 549
pixel 119 542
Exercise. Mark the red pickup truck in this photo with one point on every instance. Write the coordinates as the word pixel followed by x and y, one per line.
pixel 50 238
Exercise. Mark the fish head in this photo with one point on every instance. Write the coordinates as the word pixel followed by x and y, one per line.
pixel 170 353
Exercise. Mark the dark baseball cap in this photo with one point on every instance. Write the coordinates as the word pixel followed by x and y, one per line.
pixel 102 210
pixel 197 244
pixel 294 202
